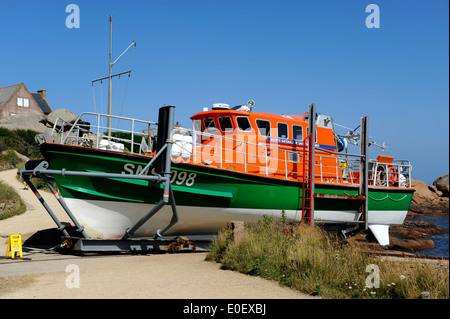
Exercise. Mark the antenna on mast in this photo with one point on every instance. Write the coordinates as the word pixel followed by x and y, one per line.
pixel 353 137
pixel 111 64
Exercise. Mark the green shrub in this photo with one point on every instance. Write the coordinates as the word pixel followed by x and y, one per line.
pixel 20 140
pixel 9 158
pixel 10 202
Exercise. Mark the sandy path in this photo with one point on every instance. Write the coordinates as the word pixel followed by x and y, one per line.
pixel 175 276
pixel 36 217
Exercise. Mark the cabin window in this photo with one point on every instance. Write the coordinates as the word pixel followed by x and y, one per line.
pixel 210 125
pixel 263 127
pixel 297 132
pixel 293 157
pixel 225 124
pixel 197 125
pixel 243 124
pixel 282 130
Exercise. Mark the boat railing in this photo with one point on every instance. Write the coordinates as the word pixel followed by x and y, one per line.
pixel 58 128
pixel 238 153
pixel 274 160
pixel 266 159
pixel 397 173
pixel 89 129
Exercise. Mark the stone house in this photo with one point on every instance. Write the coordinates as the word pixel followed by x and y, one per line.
pixel 16 99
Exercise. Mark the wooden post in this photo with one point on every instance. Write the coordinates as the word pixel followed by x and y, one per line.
pixel 312 157
pixel 425 295
pixel 237 231
pixel 364 170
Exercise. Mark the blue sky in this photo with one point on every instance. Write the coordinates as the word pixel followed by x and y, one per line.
pixel 282 54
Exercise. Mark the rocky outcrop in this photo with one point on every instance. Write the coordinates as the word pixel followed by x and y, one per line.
pixel 39 122
pixel 61 114
pixel 442 186
pixel 413 235
pixel 433 199
pixel 30 121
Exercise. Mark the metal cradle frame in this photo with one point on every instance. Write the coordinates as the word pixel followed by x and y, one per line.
pixel 128 242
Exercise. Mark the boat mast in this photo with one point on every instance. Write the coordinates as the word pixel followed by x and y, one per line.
pixel 110 76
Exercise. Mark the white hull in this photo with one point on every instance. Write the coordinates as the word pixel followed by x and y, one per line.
pixel 110 219
pixel 376 217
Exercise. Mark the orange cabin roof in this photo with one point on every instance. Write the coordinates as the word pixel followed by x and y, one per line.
pixel 295 128
pixel 260 115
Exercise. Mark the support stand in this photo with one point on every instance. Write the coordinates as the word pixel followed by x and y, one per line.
pixel 162 161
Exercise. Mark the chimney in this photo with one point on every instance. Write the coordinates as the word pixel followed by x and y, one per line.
pixel 43 93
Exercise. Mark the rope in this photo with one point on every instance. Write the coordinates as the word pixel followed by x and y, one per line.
pixel 128 84
pixel 101 96
pixel 381 199
pixel 128 81
pixel 101 99
pixel 93 97
pixel 118 92
pixel 387 196
pixel 126 94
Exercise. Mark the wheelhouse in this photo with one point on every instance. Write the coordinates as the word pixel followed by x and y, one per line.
pixel 262 143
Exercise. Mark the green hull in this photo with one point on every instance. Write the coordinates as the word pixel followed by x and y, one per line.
pixel 198 185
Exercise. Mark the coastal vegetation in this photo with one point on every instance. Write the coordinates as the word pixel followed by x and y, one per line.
pixel 8 159
pixel 19 140
pixel 10 202
pixel 315 262
pixel 14 144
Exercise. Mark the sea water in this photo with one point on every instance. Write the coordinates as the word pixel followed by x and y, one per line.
pixel 440 241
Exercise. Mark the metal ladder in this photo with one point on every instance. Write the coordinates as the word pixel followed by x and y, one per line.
pixel 307 191
pixel 309 169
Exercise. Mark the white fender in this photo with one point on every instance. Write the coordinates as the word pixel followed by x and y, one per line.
pixel 176 147
pixel 186 152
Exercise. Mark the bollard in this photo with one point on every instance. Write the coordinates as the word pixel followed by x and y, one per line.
pixel 237 231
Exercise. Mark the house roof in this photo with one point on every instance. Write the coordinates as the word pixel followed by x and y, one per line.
pixel 43 104
pixel 7 92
